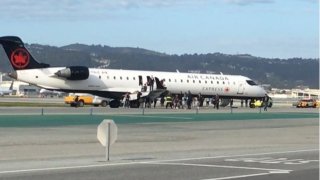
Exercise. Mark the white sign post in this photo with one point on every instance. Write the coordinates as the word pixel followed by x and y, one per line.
pixel 107 134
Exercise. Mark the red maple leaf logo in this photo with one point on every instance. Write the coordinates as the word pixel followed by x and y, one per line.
pixel 20 58
pixel 226 89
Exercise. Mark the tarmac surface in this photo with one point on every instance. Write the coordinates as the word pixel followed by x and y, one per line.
pixel 282 143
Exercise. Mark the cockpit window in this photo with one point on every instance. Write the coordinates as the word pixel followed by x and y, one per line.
pixel 252 83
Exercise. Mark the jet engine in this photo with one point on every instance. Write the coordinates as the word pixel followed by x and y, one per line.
pixel 74 73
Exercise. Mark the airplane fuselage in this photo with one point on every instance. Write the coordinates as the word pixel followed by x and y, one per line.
pixel 114 83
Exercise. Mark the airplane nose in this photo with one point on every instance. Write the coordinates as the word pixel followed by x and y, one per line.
pixel 13 75
pixel 262 91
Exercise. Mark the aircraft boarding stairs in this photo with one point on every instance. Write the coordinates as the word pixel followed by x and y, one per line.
pixel 151 94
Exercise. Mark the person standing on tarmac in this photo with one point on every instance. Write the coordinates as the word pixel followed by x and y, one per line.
pixel 127 101
pixel 213 101
pixel 76 101
pixel 155 102
pixel 217 101
pixel 139 100
pixel 162 101
pixel 184 101
pixel 176 102
pixel 189 100
pixel 200 99
pixel 168 100
pixel 266 102
pixel 147 102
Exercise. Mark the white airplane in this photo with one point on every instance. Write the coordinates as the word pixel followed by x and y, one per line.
pixel 114 84
pixel 51 93
pixel 6 91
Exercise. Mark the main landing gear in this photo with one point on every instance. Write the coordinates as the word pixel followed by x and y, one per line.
pixel 114 104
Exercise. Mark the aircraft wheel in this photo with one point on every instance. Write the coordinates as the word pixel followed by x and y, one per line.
pixel 114 104
pixel 104 103
pixel 134 104
pixel 81 103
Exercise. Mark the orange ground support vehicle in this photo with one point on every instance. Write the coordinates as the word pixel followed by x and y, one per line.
pixel 82 100
pixel 86 99
pixel 308 103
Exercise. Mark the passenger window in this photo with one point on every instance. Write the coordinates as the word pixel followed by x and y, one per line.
pixel 114 77
pixel 205 82
pixel 217 82
pixel 199 82
pixel 127 78
pixel 194 81
pixel 181 81
pixel 187 80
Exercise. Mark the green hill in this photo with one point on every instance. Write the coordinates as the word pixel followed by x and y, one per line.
pixel 280 73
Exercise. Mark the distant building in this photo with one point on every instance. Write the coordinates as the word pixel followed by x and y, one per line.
pixel 21 89
pixel 295 93
pixel 306 93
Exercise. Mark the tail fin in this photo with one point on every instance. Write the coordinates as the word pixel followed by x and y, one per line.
pixel 18 55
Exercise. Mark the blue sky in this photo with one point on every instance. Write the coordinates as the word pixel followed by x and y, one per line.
pixel 265 28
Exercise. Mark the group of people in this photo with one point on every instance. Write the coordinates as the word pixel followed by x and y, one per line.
pixel 187 101
pixel 127 102
pixel 182 101
pixel 150 83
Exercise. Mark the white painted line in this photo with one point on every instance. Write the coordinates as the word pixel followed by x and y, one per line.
pixel 279 172
pixel 240 155
pixel 132 163
pixel 301 162
pixel 279 160
pixel 222 166
pixel 248 159
pixel 66 167
pixel 240 176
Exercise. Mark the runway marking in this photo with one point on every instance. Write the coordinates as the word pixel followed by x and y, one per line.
pixel 133 163
pixel 270 160
pixel 240 176
pixel 249 175
pixel 239 155
pixel 222 166
pixel 66 167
